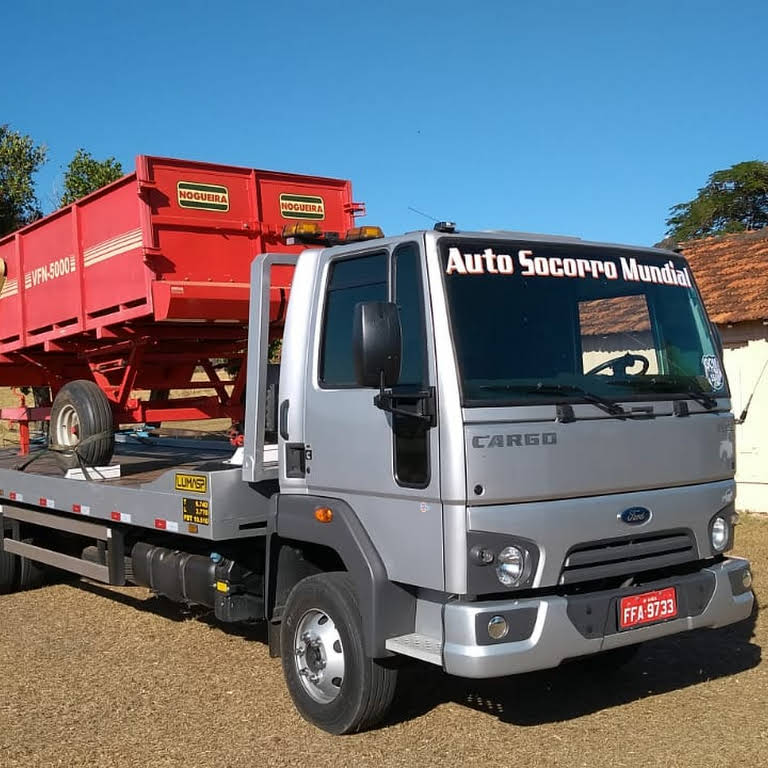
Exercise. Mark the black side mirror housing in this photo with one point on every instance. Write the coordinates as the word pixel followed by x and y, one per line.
pixel 377 342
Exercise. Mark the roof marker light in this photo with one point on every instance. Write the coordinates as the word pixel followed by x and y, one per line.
pixel 363 233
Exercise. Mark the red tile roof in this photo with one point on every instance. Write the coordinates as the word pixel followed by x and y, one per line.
pixel 622 314
pixel 732 274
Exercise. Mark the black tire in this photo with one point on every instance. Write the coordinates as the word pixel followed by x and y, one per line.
pixel 9 573
pixel 33 575
pixel 363 695
pixel 81 403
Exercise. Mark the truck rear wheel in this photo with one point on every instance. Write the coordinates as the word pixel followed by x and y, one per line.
pixel 81 421
pixel 333 683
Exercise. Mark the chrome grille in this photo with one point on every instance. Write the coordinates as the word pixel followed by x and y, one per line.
pixel 627 556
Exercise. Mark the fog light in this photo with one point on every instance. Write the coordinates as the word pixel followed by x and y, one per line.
pixel 510 565
pixel 746 579
pixel 719 534
pixel 497 627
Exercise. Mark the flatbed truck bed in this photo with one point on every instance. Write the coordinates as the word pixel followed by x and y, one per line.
pixel 181 486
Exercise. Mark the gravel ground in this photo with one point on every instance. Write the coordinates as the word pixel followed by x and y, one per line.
pixel 93 676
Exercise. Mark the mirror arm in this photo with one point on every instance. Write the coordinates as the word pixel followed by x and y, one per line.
pixel 426 413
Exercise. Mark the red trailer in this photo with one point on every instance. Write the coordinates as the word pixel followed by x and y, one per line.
pixel 144 282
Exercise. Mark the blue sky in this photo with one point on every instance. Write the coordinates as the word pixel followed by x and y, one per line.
pixel 583 118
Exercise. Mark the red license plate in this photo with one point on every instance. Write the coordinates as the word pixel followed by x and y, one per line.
pixel 648 608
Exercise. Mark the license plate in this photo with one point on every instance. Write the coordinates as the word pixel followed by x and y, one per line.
pixel 648 608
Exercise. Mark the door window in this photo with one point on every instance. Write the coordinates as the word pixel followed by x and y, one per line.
pixel 351 281
pixel 411 435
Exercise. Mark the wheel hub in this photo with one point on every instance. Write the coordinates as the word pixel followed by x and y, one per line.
pixel 319 656
pixel 67 427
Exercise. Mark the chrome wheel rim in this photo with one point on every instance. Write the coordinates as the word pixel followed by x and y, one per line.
pixel 319 656
pixel 67 427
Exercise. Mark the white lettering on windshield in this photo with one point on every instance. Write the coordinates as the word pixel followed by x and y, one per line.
pixel 479 263
pixel 491 263
pixel 650 273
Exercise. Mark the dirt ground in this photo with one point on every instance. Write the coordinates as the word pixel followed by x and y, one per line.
pixel 93 676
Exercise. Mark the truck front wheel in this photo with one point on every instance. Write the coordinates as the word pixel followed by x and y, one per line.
pixel 332 682
pixel 81 421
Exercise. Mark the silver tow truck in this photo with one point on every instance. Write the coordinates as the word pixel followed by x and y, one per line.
pixel 491 452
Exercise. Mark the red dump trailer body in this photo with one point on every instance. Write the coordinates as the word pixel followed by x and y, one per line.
pixel 138 284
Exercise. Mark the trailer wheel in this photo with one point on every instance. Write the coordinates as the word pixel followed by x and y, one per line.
pixel 81 418
pixel 9 572
pixel 333 683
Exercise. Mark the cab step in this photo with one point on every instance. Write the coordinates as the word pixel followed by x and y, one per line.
pixel 417 646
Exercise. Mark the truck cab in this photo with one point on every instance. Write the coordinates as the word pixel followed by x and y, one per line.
pixel 549 471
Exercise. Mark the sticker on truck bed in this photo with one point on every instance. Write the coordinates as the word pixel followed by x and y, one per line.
pixel 302 207
pixel 51 271
pixel 9 288
pixel 209 197
pixel 197 511
pixel 191 483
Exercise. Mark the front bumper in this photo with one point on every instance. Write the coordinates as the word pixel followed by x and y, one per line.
pixel 561 627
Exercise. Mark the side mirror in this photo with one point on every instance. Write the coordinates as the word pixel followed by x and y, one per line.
pixel 377 342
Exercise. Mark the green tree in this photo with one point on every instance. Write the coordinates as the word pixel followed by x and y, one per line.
pixel 85 174
pixel 733 200
pixel 20 158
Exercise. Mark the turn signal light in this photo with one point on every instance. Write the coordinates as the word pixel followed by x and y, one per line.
pixel 323 515
pixel 363 233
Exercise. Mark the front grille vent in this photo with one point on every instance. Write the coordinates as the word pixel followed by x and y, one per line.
pixel 627 556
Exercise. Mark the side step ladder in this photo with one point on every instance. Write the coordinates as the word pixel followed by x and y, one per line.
pixel 110 544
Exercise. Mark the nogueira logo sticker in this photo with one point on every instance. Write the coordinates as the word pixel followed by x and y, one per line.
pixel 310 207
pixel 207 197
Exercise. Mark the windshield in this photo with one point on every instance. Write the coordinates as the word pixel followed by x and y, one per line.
pixel 544 322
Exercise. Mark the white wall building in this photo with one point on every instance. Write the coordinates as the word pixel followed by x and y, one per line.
pixel 732 275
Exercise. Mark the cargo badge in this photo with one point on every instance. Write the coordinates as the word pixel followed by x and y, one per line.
pixel 209 197
pixel 302 207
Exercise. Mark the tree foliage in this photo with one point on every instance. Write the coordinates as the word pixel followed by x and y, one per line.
pixel 20 158
pixel 85 174
pixel 733 200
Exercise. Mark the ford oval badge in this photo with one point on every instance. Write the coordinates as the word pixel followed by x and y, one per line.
pixel 635 515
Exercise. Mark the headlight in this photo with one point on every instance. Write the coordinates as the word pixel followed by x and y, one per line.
pixel 510 566
pixel 719 533
pixel 497 561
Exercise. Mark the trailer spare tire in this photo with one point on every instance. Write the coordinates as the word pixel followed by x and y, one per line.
pixel 82 425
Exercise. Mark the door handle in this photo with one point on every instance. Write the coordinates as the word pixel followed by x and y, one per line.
pixel 284 419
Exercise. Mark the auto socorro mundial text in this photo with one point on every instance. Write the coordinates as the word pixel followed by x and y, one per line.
pixel 530 265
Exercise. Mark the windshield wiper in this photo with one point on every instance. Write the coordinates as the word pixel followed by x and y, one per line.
pixel 695 392
pixel 611 407
pixel 688 386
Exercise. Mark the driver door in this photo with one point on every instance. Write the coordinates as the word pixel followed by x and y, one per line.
pixel 386 468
